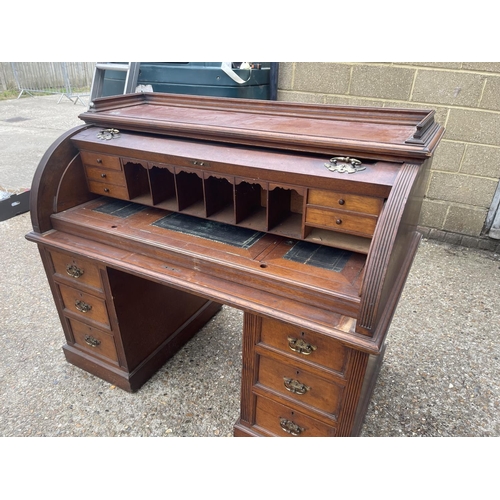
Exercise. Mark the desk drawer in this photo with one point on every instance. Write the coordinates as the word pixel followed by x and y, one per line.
pixel 300 385
pixel 283 421
pixel 101 160
pixel 108 189
pixel 304 345
pixel 345 201
pixel 106 176
pixel 341 221
pixel 93 340
pixel 79 270
pixel 84 305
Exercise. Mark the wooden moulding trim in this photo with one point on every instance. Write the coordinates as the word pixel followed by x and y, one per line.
pixel 383 244
pixel 252 327
pixel 417 117
pixel 429 137
pixel 356 375
pixel 424 125
pixel 45 182
pixel 274 140
pixel 420 118
pixel 416 146
pixel 98 367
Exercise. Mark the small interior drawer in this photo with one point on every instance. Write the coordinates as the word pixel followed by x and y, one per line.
pixel 81 271
pixel 107 176
pixel 101 160
pixel 337 220
pixel 345 201
pixel 107 189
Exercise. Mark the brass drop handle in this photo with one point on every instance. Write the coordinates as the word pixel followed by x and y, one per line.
pixel 82 306
pixel 291 427
pixel 91 341
pixel 298 345
pixel 295 386
pixel 74 271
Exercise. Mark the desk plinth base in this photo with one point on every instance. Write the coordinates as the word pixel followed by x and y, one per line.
pixel 133 380
pixel 243 431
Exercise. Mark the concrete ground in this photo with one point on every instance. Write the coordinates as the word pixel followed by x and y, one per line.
pixel 440 376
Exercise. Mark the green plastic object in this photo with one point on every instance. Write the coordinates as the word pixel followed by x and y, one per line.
pixel 196 78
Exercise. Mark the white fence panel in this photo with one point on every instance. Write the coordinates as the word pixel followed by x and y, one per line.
pixel 70 80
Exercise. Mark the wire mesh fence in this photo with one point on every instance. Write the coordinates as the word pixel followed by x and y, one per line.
pixel 69 80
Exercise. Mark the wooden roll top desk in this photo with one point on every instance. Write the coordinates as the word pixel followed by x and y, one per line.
pixel 160 208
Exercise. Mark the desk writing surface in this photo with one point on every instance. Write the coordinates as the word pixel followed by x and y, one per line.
pixel 261 261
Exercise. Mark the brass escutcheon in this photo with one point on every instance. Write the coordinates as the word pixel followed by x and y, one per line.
pixel 82 306
pixel 91 341
pixel 291 427
pixel 298 345
pixel 109 133
pixel 74 271
pixel 295 386
pixel 343 164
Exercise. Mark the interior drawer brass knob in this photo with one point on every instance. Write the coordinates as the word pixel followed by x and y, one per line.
pixel 298 345
pixel 103 175
pixel 106 190
pixel 338 221
pixel 291 427
pixel 82 306
pixel 341 202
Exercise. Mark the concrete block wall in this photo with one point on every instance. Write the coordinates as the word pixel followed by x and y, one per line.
pixel 465 171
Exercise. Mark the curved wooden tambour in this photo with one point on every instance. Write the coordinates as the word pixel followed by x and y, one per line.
pixel 46 184
pixel 389 245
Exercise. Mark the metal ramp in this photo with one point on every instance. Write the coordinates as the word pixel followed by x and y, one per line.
pixel 132 75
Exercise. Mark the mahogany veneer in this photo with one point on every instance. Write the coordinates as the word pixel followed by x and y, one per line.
pixel 193 202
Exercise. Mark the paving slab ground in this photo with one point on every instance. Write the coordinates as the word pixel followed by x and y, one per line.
pixel 440 376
